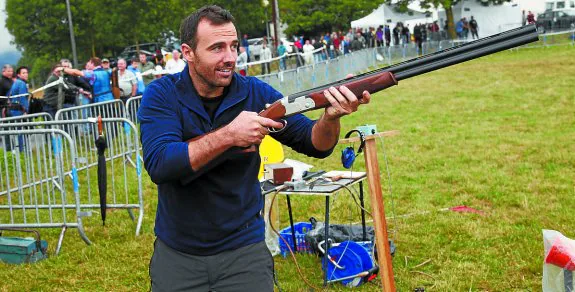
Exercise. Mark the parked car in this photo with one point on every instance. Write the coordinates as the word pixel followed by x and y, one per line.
pixel 255 47
pixel 556 20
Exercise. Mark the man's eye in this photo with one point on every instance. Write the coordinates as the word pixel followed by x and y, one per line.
pixel 217 49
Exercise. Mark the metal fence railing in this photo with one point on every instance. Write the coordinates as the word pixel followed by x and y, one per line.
pixel 35 192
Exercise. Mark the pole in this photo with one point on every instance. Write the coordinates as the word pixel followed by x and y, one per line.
pixel 276 21
pixel 72 39
pixel 379 224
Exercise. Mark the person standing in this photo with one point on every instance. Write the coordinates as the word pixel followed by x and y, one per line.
pixel 474 28
pixel 19 98
pixel 134 69
pixel 146 69
pixel 176 64
pixel 5 85
pixel 281 52
pixel 308 53
pixel 126 81
pixel 266 57
pixel 105 64
pixel 200 133
pixel 242 61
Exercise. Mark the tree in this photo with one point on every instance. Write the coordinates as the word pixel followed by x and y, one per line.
pixel 445 4
pixel 316 17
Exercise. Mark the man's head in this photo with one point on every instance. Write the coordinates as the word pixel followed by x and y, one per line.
pixel 22 73
pixel 96 62
pixel 242 49
pixel 143 58
pixel 106 63
pixel 209 44
pixel 135 62
pixel 7 71
pixel 176 54
pixel 89 65
pixel 122 64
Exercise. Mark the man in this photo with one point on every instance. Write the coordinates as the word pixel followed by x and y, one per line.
pixel 5 84
pixel 266 56
pixel 134 69
pixel 281 52
pixel 308 53
pixel 106 65
pixel 77 85
pixel 146 69
pixel 51 99
pixel 242 61
pixel 176 64
pixel 473 27
pixel 199 132
pixel 19 93
pixel 126 81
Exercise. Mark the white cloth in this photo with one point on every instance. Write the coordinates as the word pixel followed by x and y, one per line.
pixel 173 66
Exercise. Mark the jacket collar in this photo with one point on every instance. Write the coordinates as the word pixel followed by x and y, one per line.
pixel 189 97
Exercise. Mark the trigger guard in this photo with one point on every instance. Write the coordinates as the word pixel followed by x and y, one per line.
pixel 273 130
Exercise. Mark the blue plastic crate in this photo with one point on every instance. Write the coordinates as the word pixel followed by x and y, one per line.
pixel 301 228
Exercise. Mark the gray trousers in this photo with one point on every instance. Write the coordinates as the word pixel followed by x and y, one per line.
pixel 249 268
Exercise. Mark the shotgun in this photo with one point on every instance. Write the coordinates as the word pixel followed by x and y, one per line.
pixel 383 78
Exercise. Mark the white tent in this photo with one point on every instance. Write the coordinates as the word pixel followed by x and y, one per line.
pixel 491 19
pixel 384 14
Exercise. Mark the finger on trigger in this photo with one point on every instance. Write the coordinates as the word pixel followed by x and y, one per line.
pixel 269 123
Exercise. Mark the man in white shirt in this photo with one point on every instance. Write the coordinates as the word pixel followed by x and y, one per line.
pixel 176 64
pixel 308 53
pixel 266 55
pixel 126 80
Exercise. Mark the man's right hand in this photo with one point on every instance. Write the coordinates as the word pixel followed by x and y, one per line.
pixel 248 129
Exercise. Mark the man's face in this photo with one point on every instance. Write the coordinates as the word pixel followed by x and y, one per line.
pixel 135 64
pixel 121 64
pixel 213 61
pixel 66 64
pixel 142 58
pixel 8 72
pixel 89 65
pixel 106 65
pixel 23 74
pixel 176 55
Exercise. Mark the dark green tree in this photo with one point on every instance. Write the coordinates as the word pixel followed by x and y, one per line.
pixel 315 17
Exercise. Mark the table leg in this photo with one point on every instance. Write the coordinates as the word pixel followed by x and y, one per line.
pixel 325 257
pixel 362 211
pixel 291 224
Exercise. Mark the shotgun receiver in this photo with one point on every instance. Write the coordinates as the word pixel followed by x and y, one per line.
pixel 383 78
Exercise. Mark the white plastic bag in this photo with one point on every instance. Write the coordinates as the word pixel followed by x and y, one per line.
pixel 559 262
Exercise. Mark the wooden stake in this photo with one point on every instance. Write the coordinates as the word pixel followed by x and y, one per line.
pixel 380 225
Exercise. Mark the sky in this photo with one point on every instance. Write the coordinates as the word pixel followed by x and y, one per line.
pixel 5 37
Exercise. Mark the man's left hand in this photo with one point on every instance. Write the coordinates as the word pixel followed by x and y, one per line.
pixel 343 102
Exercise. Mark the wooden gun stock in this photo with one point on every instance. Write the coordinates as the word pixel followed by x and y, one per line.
pixel 116 92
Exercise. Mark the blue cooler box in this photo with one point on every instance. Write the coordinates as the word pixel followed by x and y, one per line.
pixel 18 250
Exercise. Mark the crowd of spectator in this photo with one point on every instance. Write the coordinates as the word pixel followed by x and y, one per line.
pixel 90 85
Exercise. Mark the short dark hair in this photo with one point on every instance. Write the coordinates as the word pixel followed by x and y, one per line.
pixel 96 61
pixel 19 70
pixel 189 27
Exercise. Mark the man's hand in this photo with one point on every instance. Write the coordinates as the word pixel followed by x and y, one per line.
pixel 343 101
pixel 249 129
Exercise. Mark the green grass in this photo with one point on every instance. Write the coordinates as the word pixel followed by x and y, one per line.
pixel 495 134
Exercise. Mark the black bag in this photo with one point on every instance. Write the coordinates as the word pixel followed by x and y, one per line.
pixel 36 105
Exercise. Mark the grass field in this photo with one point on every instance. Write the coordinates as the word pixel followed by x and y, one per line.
pixel 495 134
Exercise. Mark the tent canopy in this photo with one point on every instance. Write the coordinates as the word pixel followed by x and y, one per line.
pixel 384 14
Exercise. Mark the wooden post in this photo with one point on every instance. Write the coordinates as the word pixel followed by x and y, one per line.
pixel 378 211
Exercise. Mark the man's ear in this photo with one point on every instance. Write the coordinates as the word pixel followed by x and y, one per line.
pixel 188 53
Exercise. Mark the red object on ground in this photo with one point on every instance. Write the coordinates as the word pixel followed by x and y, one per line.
pixel 562 255
pixel 465 209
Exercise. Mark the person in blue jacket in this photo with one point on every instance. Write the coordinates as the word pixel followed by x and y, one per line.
pixel 19 93
pixel 200 133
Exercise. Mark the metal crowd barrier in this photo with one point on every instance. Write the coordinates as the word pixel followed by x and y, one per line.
pixel 34 190
pixel 107 109
pixel 125 191
pixel 132 106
